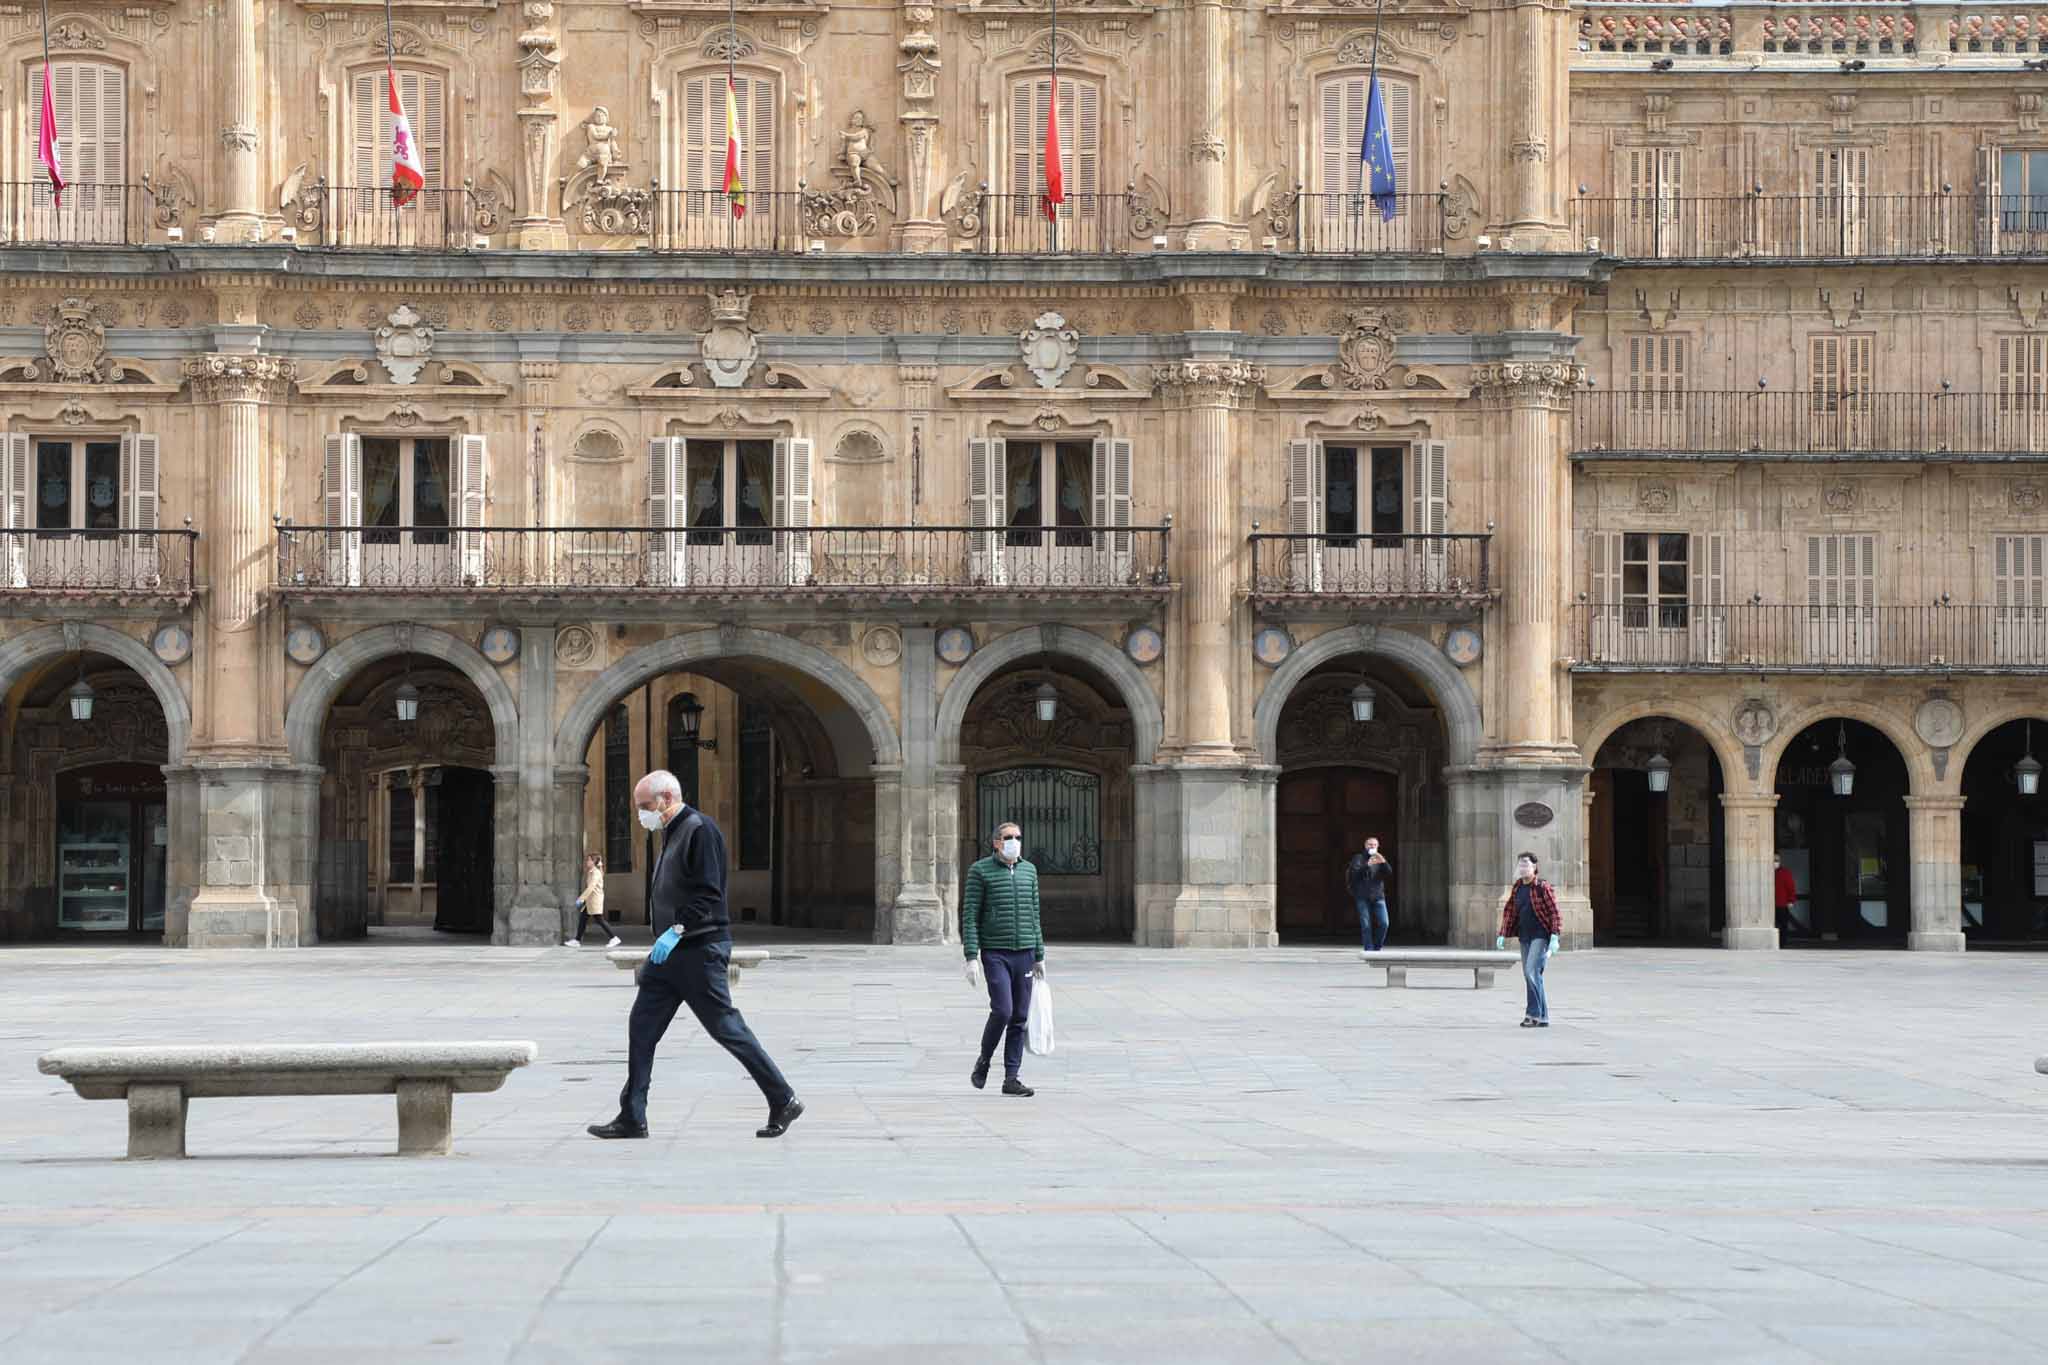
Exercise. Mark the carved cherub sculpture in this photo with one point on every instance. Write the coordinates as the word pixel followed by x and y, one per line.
pixel 855 141
pixel 603 149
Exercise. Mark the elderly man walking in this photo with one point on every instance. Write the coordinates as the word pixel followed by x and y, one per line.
pixel 999 929
pixel 688 963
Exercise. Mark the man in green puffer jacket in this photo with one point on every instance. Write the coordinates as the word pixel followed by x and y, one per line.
pixel 999 929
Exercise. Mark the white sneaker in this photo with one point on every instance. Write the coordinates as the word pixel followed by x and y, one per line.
pixel 616 940
pixel 572 943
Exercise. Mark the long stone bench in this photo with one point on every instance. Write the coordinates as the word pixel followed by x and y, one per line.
pixel 1481 962
pixel 159 1083
pixel 627 959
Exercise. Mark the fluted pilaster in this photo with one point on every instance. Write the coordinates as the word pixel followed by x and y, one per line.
pixel 241 115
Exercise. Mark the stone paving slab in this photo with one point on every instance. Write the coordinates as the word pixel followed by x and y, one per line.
pixel 1233 1157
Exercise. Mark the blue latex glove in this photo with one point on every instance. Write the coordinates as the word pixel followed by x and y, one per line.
pixel 1553 943
pixel 664 945
pixel 1500 941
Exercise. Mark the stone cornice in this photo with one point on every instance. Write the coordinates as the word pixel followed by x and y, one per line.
pixel 240 378
pixel 1209 381
pixel 1541 380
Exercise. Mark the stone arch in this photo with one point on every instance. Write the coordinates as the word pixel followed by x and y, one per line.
pixel 306 716
pixel 1710 727
pixel 1438 676
pixel 1981 728
pixel 1920 778
pixel 1148 720
pixel 572 736
pixel 19 653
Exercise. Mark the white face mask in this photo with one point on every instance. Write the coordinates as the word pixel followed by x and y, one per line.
pixel 1013 848
pixel 1525 868
pixel 650 820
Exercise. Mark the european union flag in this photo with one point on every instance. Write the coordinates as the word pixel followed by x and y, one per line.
pixel 1376 150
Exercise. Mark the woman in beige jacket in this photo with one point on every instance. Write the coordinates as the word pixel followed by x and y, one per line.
pixel 590 905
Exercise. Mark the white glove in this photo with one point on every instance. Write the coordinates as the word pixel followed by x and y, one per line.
pixel 1038 971
pixel 974 974
pixel 1500 941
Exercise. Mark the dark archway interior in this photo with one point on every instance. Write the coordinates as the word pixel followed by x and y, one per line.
pixel 1655 859
pixel 1850 856
pixel 2005 840
pixel 1341 780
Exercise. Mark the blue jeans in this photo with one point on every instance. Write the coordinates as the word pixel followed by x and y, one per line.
pixel 1372 923
pixel 1535 951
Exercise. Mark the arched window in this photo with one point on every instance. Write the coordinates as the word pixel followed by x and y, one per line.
pixel 755 99
pixel 1341 132
pixel 424 95
pixel 92 148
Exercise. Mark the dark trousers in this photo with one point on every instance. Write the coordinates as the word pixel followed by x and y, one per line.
pixel 583 919
pixel 694 975
pixel 1372 923
pixel 1008 972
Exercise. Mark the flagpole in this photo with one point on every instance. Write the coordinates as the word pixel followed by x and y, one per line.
pixel 49 112
pixel 1372 80
pixel 390 94
pixel 1052 113
pixel 732 29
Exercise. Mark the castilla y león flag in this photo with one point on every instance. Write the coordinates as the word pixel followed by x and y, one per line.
pixel 406 175
pixel 735 182
pixel 46 141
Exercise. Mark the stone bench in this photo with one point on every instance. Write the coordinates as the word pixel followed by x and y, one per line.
pixel 160 1082
pixel 628 959
pixel 1481 962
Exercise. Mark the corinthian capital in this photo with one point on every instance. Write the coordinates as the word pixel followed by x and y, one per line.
pixel 240 378
pixel 1209 381
pixel 1545 381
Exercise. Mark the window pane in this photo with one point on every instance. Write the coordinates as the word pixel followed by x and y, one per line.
pixel 1635 545
pixel 401 830
pixel 102 485
pixel 1635 582
pixel 381 502
pixel 754 479
pixel 430 487
pixel 704 476
pixel 1386 492
pixel 1076 465
pixel 1340 493
pixel 1026 506
pixel 1671 581
pixel 53 485
pixel 1671 547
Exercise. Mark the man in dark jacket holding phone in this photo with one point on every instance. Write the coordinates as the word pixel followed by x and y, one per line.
pixel 1366 875
pixel 688 963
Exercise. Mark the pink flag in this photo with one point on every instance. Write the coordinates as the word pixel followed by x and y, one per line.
pixel 46 141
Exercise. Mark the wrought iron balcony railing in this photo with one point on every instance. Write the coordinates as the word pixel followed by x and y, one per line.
pixel 370 216
pixel 892 561
pixel 1792 422
pixel 1350 568
pixel 1356 224
pixel 110 563
pixel 1086 225
pixel 1813 226
pixel 88 215
pixel 1772 638
pixel 703 220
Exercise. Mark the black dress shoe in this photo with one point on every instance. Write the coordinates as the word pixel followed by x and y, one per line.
pixel 618 1128
pixel 1013 1086
pixel 779 1119
pixel 980 1076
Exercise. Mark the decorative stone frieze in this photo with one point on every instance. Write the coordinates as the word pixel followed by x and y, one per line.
pixel 240 378
pixel 1209 381
pixel 1546 381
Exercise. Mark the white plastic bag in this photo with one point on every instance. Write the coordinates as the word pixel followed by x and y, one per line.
pixel 1038 1023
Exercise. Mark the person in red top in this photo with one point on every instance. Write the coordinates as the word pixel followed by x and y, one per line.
pixel 1785 888
pixel 1531 915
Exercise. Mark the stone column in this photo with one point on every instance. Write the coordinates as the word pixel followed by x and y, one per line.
pixel 530 909
pixel 1207 547
pixel 566 819
pixel 946 780
pixel 1210 90
pixel 1536 75
pixel 1935 825
pixel 919 227
pixel 1749 840
pixel 916 915
pixel 243 774
pixel 1497 812
pixel 241 119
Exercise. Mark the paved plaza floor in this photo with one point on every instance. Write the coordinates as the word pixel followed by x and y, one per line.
pixel 1232 1157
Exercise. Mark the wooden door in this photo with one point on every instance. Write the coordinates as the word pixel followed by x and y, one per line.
pixel 1324 816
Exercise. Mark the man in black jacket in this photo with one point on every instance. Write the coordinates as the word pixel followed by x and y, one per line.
pixel 1366 875
pixel 689 961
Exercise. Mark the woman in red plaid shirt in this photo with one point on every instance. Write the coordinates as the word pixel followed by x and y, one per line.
pixel 1531 915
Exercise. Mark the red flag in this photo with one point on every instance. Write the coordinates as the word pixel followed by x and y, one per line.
pixel 406 174
pixel 1055 178
pixel 46 141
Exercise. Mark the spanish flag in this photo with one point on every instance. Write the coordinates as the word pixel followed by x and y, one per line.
pixel 735 183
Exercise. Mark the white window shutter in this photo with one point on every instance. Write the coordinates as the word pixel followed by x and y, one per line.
pixel 139 509
pixel 1330 137
pixel 697 172
pixel 793 459
pixel 987 488
pixel 342 494
pixel 1429 503
pixel 1305 515
pixel 472 503
pixel 1026 97
pixel 365 122
pixel 1603 582
pixel 1086 105
pixel 15 483
pixel 1112 504
pixel 667 563
pixel 1708 610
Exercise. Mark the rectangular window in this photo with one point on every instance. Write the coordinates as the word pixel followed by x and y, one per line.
pixel 77 485
pixel 1655 570
pixel 1048 483
pixel 620 823
pixel 406 483
pixel 1656 371
pixel 1059 811
pixel 2022 374
pixel 1341 133
pixel 2019 593
pixel 1842 374
pixel 1841 597
pixel 1340 495
pixel 401 827
pixel 728 483
pixel 1080 145
pixel 2022 190
pixel 757 788
pixel 1655 182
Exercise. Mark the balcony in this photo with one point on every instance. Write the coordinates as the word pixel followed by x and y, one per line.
pixel 1792 424
pixel 1808 227
pixel 1299 574
pixel 90 215
pixel 1791 33
pixel 369 216
pixel 1768 638
pixel 1355 224
pixel 865 565
pixel 102 567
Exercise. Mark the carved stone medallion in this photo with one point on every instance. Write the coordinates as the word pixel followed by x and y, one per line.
pixel 304 644
pixel 1144 645
pixel 1462 646
pixel 499 644
pixel 75 340
pixel 881 646
pixel 730 348
pixel 954 645
pixel 575 646
pixel 1271 646
pixel 172 644
pixel 1049 349
pixel 1755 722
pixel 1365 352
pixel 1939 721
pixel 404 343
